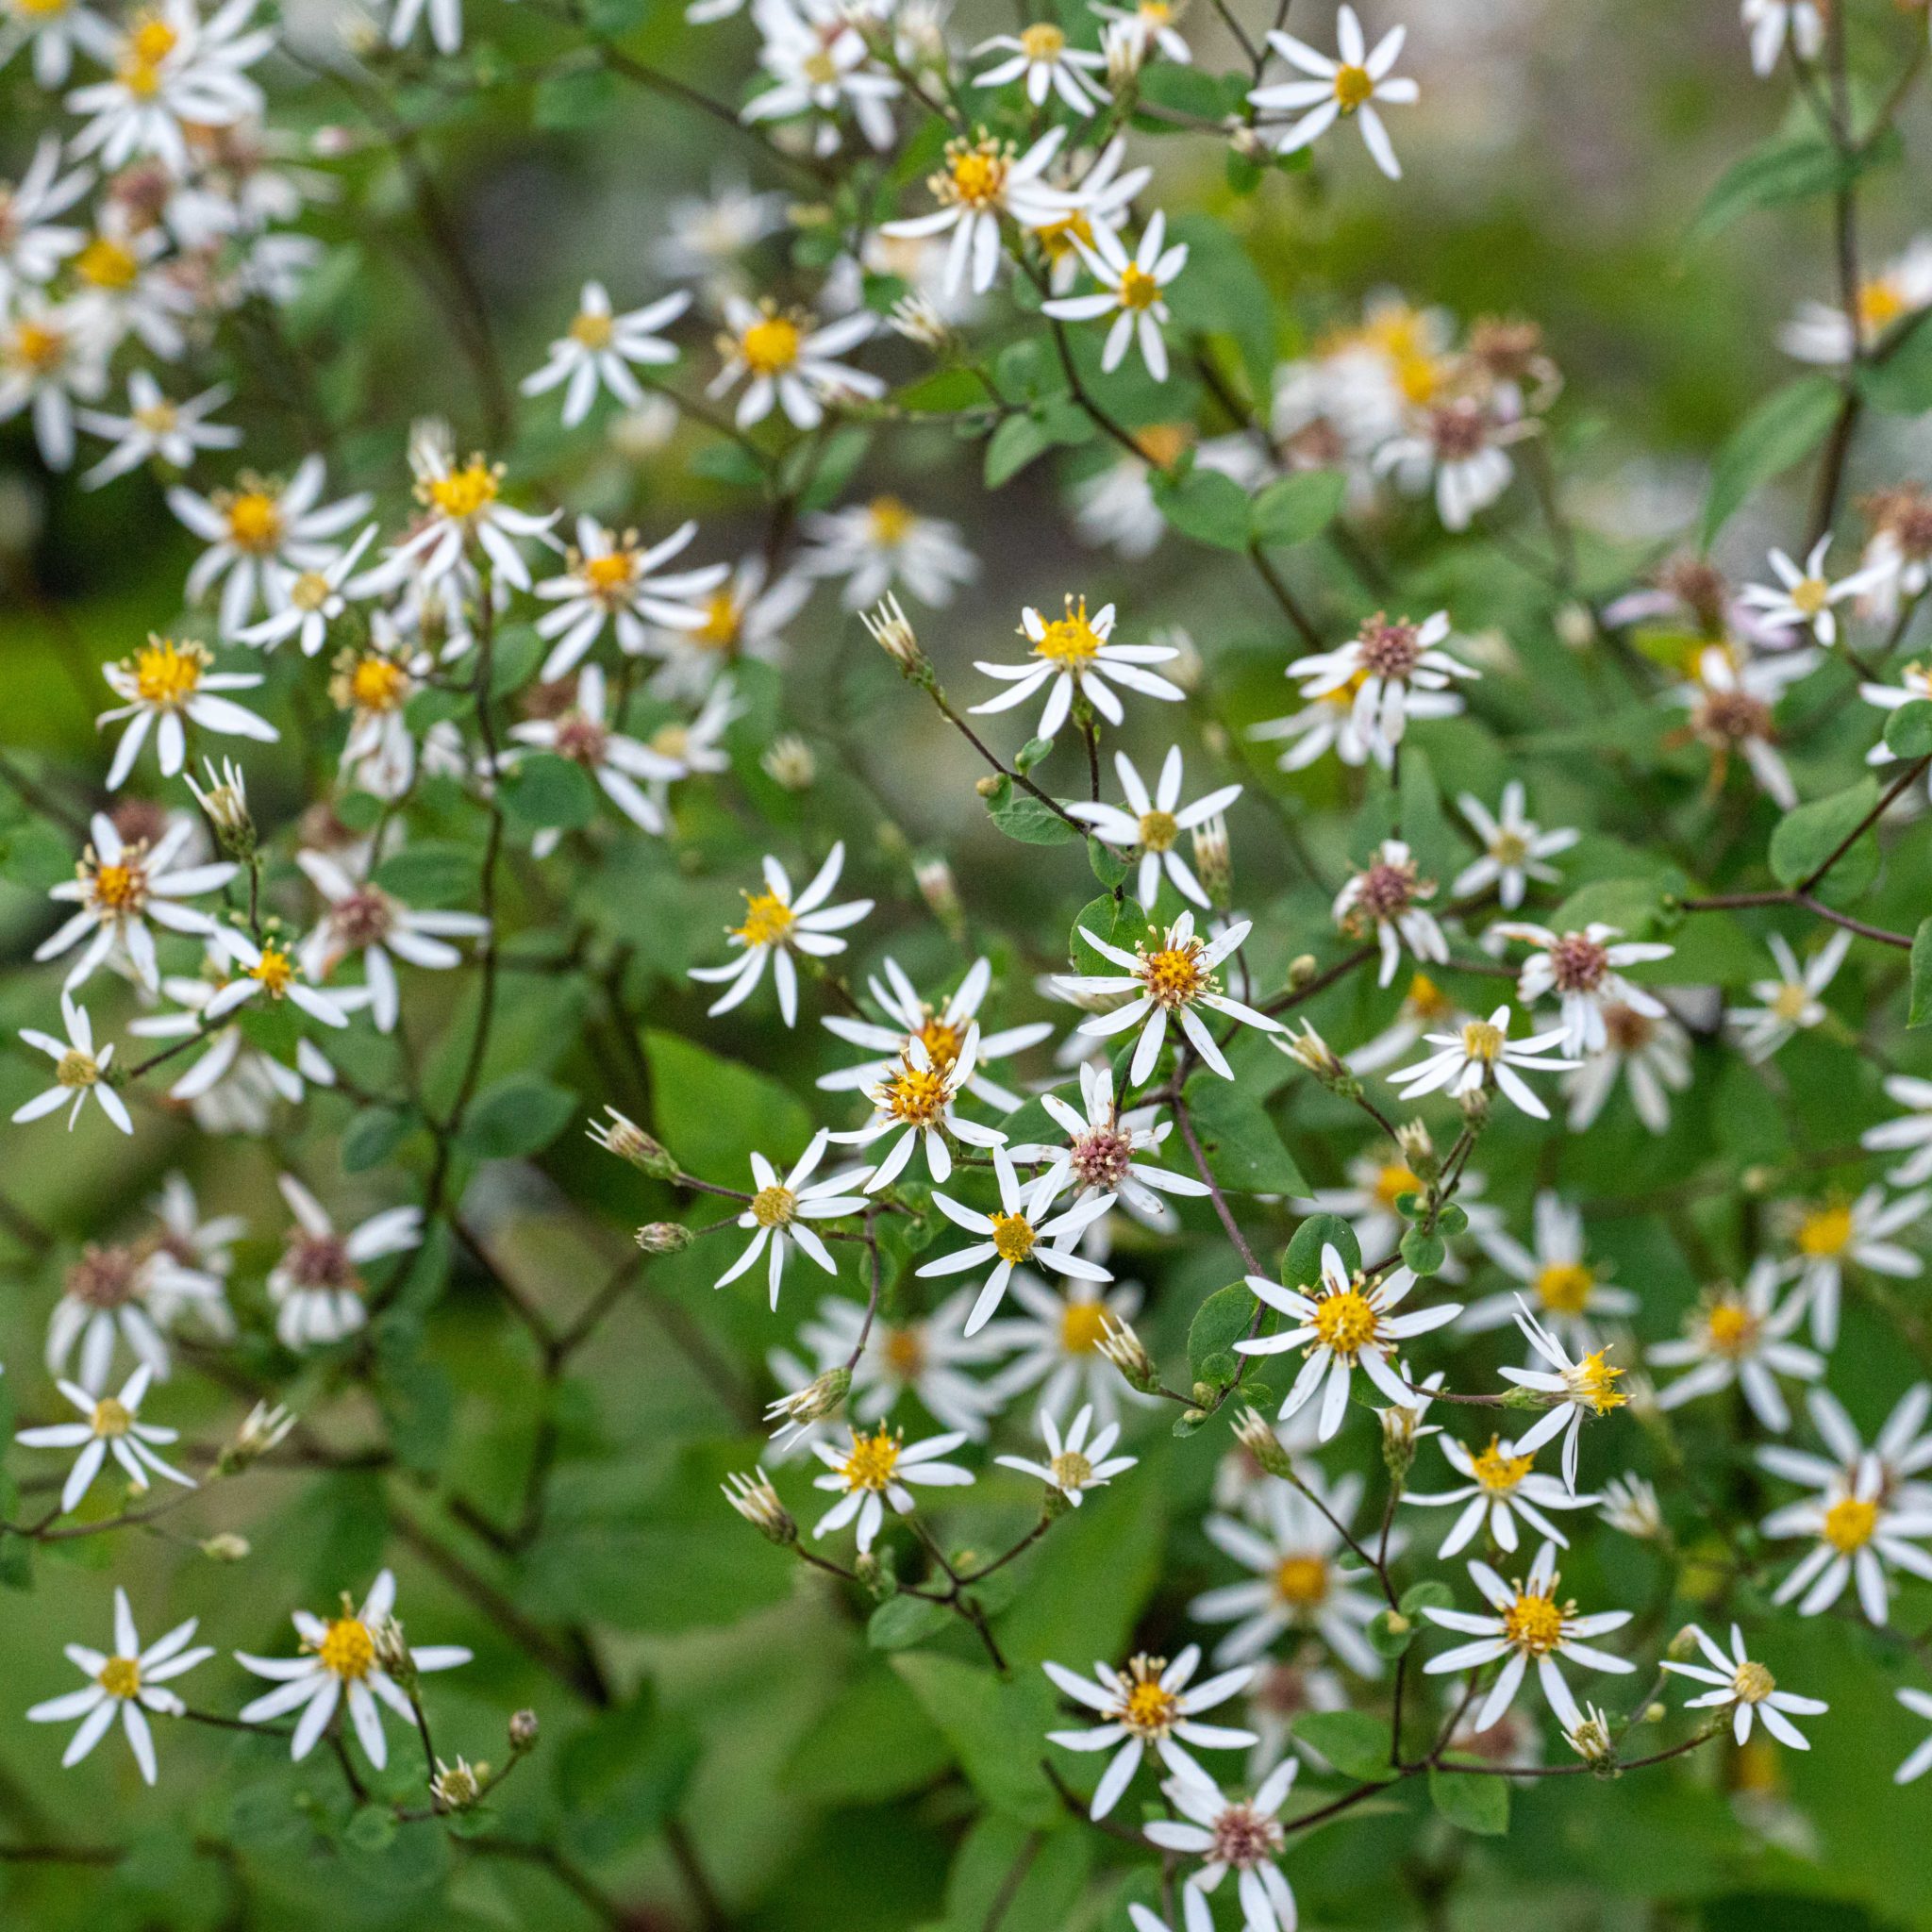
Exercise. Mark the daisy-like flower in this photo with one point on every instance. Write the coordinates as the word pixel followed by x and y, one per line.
pixel 916 1101
pixel 79 1071
pixel 1382 897
pixel 599 350
pixel 347 1658
pixel 1860 1231
pixel 1527 1624
pixel 1629 1504
pixel 788 358
pixel 1347 1323
pixel 1352 86
pixel 925 1357
pixel 746 617
pixel 1901 544
pixel 127 1683
pixel 1823 332
pixel 1297 1585
pixel 780 1208
pixel 1425 1004
pixel 54 30
pixel 1480 1054
pixel 1150 26
pixel 1910 1134
pixel 163 687
pixel 874 545
pixel 153 429
pixel 1153 822
pixel 1240 1835
pixel 374 684
pixel 1499 1485
pixel 1016 1232
pixel 1772 23
pixel 1859 1537
pixel 1048 62
pixel 982 180
pixel 1145 1706
pixel 1102 1142
pixel 1918 1760
pixel 1747 1688
pixel 1652 1053
pixel 1902 1449
pixel 583 734
pixel 1740 1336
pixel 1099 195
pixel 1732 704
pixel 316 1286
pixel 1389 672
pixel 186 1269
pixel 1458 449
pixel 1578 1385
pixel 1807 599
pixel 273 969
pixel 821 62
pixel 111 1424
pixel 1570 1293
pixel 1132 290
pixel 1792 1002
pixel 874 1471
pixel 103 1300
pixel 940 1029
pixel 1074 1464
pixel 315 599
pixel 364 919
pixel 776 923
pixel 1514 848
pixel 50 359
pixel 1175 980
pixel 1075 657
pixel 1583 971
pixel 119 887
pixel 1058 1344
pixel 463 506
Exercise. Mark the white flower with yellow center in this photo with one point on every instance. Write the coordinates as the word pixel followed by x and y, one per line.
pixel 1244 1836
pixel 1773 22
pixel 1072 657
pixel 1806 599
pixel 1499 1485
pixel 925 1357
pixel 1739 1336
pixel 185 1264
pixel 164 687
pixel 613 580
pixel 1480 1054
pixel 1099 197
pixel 1147 1705
pixel 1747 1689
pixel 1057 1344
pixel 788 359
pixel 1074 1464
pixel 1426 1005
pixel 155 430
pixel 878 545
pixel 1297 1583
pixel 1152 823
pixel 1528 1623
pixel 1099 1156
pixel 125 285
pixel 1018 1231
pixel 1651 1052
pixel 1346 1324
pixel 780 1208
pixel 1902 1449
pixel 1133 292
pixel 1393 670
pixel 315 599
pixel 917 1100
pixel 271 970
pixel 54 28
pixel 1835 1232
pixel 119 887
pixel 347 1658
pixel 33 243
pixel 317 1288
pixel 1792 1003
pixel 1571 1293
pixel 1376 1181
pixel 1350 86
pixel 746 616
pixel 982 181
pixel 79 1071
pixel 778 923
pixel 599 350
pixel 1910 1134
pixel 1860 1536
pixel 874 1471
pixel 374 683
pixel 464 510
pixel 1149 25
pixel 1175 980
pixel 1383 898
pixel 1514 848
pixel 48 360
pixel 110 1425
pixel 820 65
pixel 128 1684
pixel 1577 1386
pixel 1048 62
pixel 1823 332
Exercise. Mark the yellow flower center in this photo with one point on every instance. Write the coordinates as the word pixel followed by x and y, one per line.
pixel 377 684
pixel 1752 1683
pixel 1042 41
pixel 1534 1624
pixel 916 1095
pixel 593 331
pixel 1508 848
pixel 1826 1232
pixel 166 674
pixel 42 10
pixel 1302 1581
pixel 1881 302
pixel 1071 1470
pixel 112 1417
pixel 1418 377
pixel 767 919
pixel 1731 1327
pixel 1790 1002
pixel 39 349
pixel 1594 1381
pixel 346 1650
pixel 275 970
pixel 1426 1000
pixel 1392 1181
pixel 1849 1524
pixel 152 40
pixel 1564 1286
pixel 75 1069
pixel 774 1207
pixel 1811 596
pixel 975 173
pixel 1353 86
pixel 770 344
pixel 309 591
pixel 1149 1712
pixel 889 521
pixel 1137 289
pixel 1344 1323
pixel 1013 1236
pixel 1083 1326
pixel 1162 443
pixel 460 494
pixel 819 69
pixel 1500 1474
pixel 941 1041
pixel 118 886
pixel 254 520
pixel 1057 240
pixel 603 575
pixel 904 1350
pixel 1069 640
pixel 1483 1041
pixel 1173 974
pixel 1159 831
pixel 106 264
pixel 872 1459
pixel 719 631
pixel 120 1676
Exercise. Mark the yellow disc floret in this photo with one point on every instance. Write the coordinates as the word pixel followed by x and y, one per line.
pixel 872 1459
pixel 767 919
pixel 1345 1322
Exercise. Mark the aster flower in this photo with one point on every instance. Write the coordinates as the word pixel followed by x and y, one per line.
pixel 1792 1003
pixel 1652 1053
pixel 1740 1336
pixel 1057 1344
pixel 185 1262
pixel 746 617
pixel 982 180
pixel 1912 1133
pixel 1456 450
pixel 1073 655
pixel 317 1288
pixel 153 429
pixel 917 1101
pixel 1386 674
pixel 1732 702
pixel 1097 195
pixel 1577 1385
pixel 1901 545
pixel 1133 289
pixel 1382 897
pixel 1822 332
pixel 1860 1537
pixel 315 599
pixel 54 33
pixel 1073 1465
pixel 583 734
pixel 1152 823
pixel 1375 1181
pixel 463 506
pixel 925 1357
pixel 165 687
pixel 1746 1690
pixel 273 970
pixel 1041 56
pixel 1481 1056
pixel 874 1471
pixel 1150 27
pixel 374 684
pixel 599 349
pixel 787 357
pixel 612 581
pixel 1902 1449
pixel 1240 1835
pixel 1099 1155
pixel 1352 86
pixel 1514 847
pixel 1629 1504
pixel 776 923
pixel 1583 970
pixel 79 1071
pixel 102 1301
pixel 779 1208
pixel 1500 1484
pixel 1571 1294
pixel 876 545
pixel 111 1424
pixel 1807 599
pixel 820 65
pixel 1773 22
pixel 1859 1231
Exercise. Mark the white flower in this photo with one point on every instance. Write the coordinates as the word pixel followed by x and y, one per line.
pixel 1152 823
pixel 583 735
pixel 103 1300
pixel 274 968
pixel 128 1682
pixel 1058 1345
pixel 462 504
pixel 1074 1464
pixel 1918 1760
pixel 1770 23
pixel 916 1101
pixel 1043 54
pixel 119 887
pixel 1116 506
pixel 345 1658
pixel 1425 1004
pixel 1858 1534
pixel 374 684
pixel 1175 980
pixel 1629 1503
pixel 874 1471
pixel 819 62
pixel 981 181
pixel 1514 847
pixel 316 1287
pixel 1901 545
pixel 1911 1132
pixel 776 925
pixel 599 348
pixel 874 545
pixel 1097 196
pixel 1582 970
pixel 1481 1055
pixel 1389 672
pixel 921 1356
pixel 1381 897
pixel 1015 1232
pixel 1652 1053
pixel 1748 1690
pixel 1458 448
pixel 156 430
pixel 706 233
pixel 1790 1002
pixel 1148 1706
pixel 1808 597
pixel 1501 1484
pixel 743 617
pixel 1102 1142
pixel 446 23
pixel 780 1207
pixel 1148 24
pixel 790 360
pixel 1240 1835
pixel 79 1071
pixel 1579 1386
pixel 55 32
pixel 1131 291
pixel 112 1426
pixel 187 1266
pixel 1741 1336
pixel 161 685
pixel 313 599
pixel 1836 1232
pixel 1351 86
pixel 1348 1323
pixel 1073 655
pixel 49 356
pixel 1527 1624
pixel 1822 332
pixel 1570 1293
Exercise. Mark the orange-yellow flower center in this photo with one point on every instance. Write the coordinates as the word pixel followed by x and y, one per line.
pixel 116 888
pixel 770 344
pixel 1501 1473
pixel 1731 1327
pixel 1534 1624
pixel 254 520
pixel 1344 1323
pixel 120 1676
pixel 346 1650
pixel 767 919
pixel 1137 289
pixel 166 673
pixel 1069 640
pixel 916 1095
pixel 1013 1236
pixel 1173 975
pixel 1826 1232
pixel 104 263
pixel 1301 1581
pixel 1849 1524
pixel 872 1459
pixel 1083 1325
pixel 889 521
pixel 774 1207
pixel 1353 86
pixel 1564 1286
pixel 459 494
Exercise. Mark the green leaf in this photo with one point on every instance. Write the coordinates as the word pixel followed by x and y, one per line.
pixel 1354 1743
pixel 1222 293
pixel 1244 1149
pixel 1908 730
pixel 1780 432
pixel 544 791
pixel 1789 168
pixel 902 1622
pixel 1385 1639
pixel 1425 1253
pixel 371 1137
pixel 1425 826
pixel 1418 1597
pixel 712 1111
pixel 432 872
pixel 1919 1014
pixel 1022 816
pixel 982 1718
pixel 1206 506
pixel 520 1115
pixel 1805 838
pixel 580 97
pixel 1006 1876
pixel 1298 507
pixel 727 462
pixel 1219 1323
pixel 622 1774
pixel 1898 378
pixel 1106 920
pixel 1301 1267
pixel 1472 1802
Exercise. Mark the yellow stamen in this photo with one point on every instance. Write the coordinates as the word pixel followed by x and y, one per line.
pixel 872 1459
pixel 767 919
pixel 1344 1323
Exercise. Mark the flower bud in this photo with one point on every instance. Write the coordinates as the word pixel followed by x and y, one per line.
pixel 392 1649
pixel 1655 1713
pixel 1418 1150
pixel 664 1237
pixel 1256 1434
pixel 226 802
pixel 263 1428
pixel 940 891
pixel 226 1547
pixel 1683 1646
pixel 914 317
pixel 1214 859
pixel 892 631
pixel 756 1501
pixel 1125 49
pixel 815 1401
pixel 1249 142
pixel 1591 1739
pixel 1398 1441
pixel 523 1732
pixel 1575 626
pixel 790 763
pixel 1318 1057
pixel 622 1135
pixel 1129 1353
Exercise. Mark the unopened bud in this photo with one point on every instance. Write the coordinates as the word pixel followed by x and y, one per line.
pixel 1654 1713
pixel 915 318
pixel 1214 859
pixel 226 1547
pixel 226 802
pixel 622 1135
pixel 1301 970
pixel 1418 1150
pixel 1683 1645
pixel 1248 142
pixel 523 1732
pixel 1475 1106
pixel 1398 1441
pixel 756 1501
pixel 261 1429
pixel 892 631
pixel 1129 1353
pixel 1125 49
pixel 392 1649
pixel 1256 1434
pixel 940 891
pixel 874 1577
pixel 789 762
pixel 986 787
pixel 817 1400
pixel 664 1237
pixel 1311 1051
